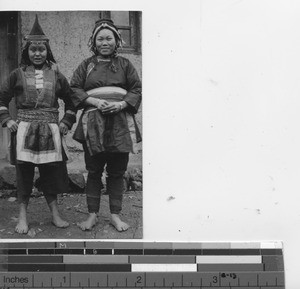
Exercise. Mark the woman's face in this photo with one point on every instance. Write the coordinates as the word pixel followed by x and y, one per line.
pixel 37 53
pixel 105 42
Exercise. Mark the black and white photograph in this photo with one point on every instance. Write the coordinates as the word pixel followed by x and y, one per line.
pixel 71 134
pixel 165 127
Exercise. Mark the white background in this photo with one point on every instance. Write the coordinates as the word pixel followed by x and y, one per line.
pixel 221 118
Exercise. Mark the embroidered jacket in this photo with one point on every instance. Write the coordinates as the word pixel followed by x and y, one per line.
pixel 20 85
pixel 36 94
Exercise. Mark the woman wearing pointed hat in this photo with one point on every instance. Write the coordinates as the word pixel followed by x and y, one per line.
pixel 108 88
pixel 36 86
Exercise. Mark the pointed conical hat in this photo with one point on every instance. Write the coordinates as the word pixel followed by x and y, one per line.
pixel 36 33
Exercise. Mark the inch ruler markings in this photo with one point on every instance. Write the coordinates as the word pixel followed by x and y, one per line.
pixel 120 264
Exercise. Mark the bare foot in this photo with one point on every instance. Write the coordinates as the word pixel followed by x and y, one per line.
pixel 22 226
pixel 118 224
pixel 89 223
pixel 59 222
pixel 56 218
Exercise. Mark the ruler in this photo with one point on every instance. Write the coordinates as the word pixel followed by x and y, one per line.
pixel 126 264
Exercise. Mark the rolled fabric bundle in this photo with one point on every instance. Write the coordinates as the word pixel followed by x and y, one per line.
pixel 108 93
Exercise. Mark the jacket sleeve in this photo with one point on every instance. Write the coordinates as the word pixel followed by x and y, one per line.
pixel 6 94
pixel 78 94
pixel 134 89
pixel 69 117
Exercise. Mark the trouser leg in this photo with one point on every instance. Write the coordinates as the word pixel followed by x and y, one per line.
pixel 116 168
pixel 54 180
pixel 95 166
pixel 25 174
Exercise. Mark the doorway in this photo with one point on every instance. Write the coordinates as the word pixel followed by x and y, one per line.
pixel 9 55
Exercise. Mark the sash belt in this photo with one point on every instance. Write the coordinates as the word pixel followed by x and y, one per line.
pixel 40 115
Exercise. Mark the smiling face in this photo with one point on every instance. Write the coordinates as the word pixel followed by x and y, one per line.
pixel 37 53
pixel 105 42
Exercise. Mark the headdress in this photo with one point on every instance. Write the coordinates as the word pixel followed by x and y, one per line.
pixel 36 34
pixel 108 24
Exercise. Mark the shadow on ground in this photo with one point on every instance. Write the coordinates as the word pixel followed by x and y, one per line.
pixel 73 209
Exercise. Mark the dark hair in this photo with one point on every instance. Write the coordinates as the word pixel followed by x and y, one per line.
pixel 25 61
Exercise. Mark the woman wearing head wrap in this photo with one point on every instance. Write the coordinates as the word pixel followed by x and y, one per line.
pixel 36 87
pixel 108 88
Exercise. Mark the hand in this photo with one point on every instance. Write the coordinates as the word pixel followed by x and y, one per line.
pixel 12 125
pixel 112 107
pixel 101 104
pixel 63 128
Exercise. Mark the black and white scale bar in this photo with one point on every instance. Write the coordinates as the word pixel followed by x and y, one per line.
pixel 143 280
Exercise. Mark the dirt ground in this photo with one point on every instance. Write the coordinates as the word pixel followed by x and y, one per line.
pixel 73 209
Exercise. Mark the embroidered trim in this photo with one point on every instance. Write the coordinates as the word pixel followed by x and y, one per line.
pixel 46 94
pixel 4 121
pixel 41 115
pixel 41 157
pixel 39 79
pixel 89 68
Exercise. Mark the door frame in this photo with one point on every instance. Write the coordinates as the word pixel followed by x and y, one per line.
pixel 12 41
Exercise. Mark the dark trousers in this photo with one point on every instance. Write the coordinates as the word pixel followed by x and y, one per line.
pixel 53 179
pixel 116 166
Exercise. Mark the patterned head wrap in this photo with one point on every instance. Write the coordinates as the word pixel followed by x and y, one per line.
pixel 36 36
pixel 105 24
